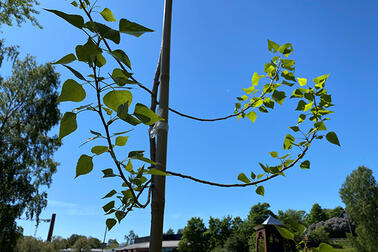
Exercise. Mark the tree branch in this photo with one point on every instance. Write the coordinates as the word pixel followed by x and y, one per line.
pixel 300 156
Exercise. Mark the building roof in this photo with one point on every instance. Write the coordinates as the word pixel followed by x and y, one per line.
pixel 272 221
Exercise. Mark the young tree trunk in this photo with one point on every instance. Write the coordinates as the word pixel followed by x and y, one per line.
pixel 158 182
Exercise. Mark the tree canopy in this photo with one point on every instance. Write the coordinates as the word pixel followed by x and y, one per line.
pixel 360 196
pixel 18 11
pixel 28 111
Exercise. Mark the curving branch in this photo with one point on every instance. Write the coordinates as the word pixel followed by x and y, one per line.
pixel 300 156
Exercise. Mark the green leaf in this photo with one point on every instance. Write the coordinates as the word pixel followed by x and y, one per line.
pixel 288 142
pixel 264 167
pixel 288 75
pixel 117 97
pixel 88 51
pixel 308 106
pixel 122 56
pixel 319 81
pixel 66 59
pixel 110 194
pixel 72 91
pixel 107 207
pixel 256 102
pixel 301 105
pixel 75 20
pixel 121 140
pixel 269 103
pixel 121 77
pixel 273 46
pixel 284 232
pixel 100 61
pixel 249 90
pixel 126 26
pixel 253 175
pixel 278 96
pixel 286 49
pixel 146 115
pixel 260 190
pixel 129 166
pixel 263 109
pixel 154 171
pixel 76 73
pixel 274 154
pixel 104 31
pixel 110 223
pixel 108 15
pixel 288 64
pixel 320 125
pixel 98 150
pixel 302 81
pixel 139 155
pixel 324 247
pixel 108 173
pixel 252 116
pixel 243 178
pixel 332 138
pixel 255 79
pixel 305 164
pixel 294 128
pixel 301 118
pixel 67 124
pixel 84 165
pixel 296 94
pixel 287 83
pixel 74 3
pixel 120 215
pixel 260 176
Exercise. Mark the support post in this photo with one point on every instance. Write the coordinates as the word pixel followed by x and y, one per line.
pixel 51 229
pixel 158 182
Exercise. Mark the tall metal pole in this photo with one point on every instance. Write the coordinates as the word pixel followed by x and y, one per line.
pixel 51 229
pixel 158 182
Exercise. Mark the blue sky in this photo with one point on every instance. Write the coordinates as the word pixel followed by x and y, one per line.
pixel 216 47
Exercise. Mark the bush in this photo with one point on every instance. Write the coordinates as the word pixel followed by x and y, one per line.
pixel 317 236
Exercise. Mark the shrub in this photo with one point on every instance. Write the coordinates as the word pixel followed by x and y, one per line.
pixel 317 236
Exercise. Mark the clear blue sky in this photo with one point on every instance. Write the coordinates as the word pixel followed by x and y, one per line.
pixel 216 47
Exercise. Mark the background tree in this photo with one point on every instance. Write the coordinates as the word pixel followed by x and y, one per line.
pixel 82 245
pixel 130 238
pixel 28 111
pixel 316 214
pixel 169 232
pixel 112 243
pixel 72 239
pixel 360 196
pixel 94 242
pixel 335 212
pixel 218 231
pixel 194 237
pixel 290 216
pixel 18 11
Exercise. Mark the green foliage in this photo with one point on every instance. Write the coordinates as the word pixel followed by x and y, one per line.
pixel 318 236
pixel 31 244
pixel 360 196
pixel 18 11
pixel 316 214
pixel 194 237
pixel 28 111
pixel 82 245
